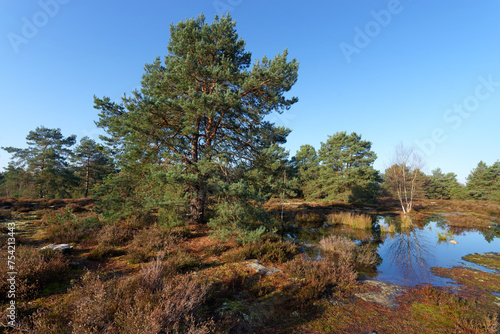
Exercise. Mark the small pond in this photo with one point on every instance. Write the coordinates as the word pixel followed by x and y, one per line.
pixel 408 254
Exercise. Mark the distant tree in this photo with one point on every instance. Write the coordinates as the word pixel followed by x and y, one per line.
pixel 202 108
pixel 483 183
pixel 271 173
pixel 442 186
pixel 403 178
pixel 345 170
pixel 91 163
pixel 45 160
pixel 16 182
pixel 306 165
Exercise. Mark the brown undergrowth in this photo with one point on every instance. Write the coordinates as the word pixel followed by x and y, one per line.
pixel 179 280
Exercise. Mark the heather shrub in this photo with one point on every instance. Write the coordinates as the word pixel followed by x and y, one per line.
pixel 340 246
pixel 182 261
pixel 150 301
pixel 114 235
pixel 266 251
pixel 149 241
pixel 103 251
pixel 321 276
pixel 63 226
pixel 35 270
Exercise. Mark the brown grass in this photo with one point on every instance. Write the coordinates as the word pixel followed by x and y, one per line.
pixel 360 221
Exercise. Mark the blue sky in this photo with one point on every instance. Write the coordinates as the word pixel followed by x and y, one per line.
pixel 422 73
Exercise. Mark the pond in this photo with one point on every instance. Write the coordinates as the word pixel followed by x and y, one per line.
pixel 408 254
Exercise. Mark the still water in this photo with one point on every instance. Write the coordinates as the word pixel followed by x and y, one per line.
pixel 408 254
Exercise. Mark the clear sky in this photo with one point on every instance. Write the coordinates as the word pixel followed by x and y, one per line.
pixel 421 72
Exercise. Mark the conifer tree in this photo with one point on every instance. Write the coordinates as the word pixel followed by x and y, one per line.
pixel 202 107
pixel 91 163
pixel 442 186
pixel 345 171
pixel 46 160
pixel 483 183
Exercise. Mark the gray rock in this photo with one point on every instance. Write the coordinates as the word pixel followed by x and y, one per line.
pixel 63 248
pixel 260 268
pixel 386 296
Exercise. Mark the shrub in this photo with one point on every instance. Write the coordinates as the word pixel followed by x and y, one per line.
pixel 149 241
pixel 35 270
pixel 266 251
pixel 103 251
pixel 181 261
pixel 321 277
pixel 63 226
pixel 340 246
pixel 114 235
pixel 128 305
pixel 216 249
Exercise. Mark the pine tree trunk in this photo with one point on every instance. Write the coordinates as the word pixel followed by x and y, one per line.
pixel 87 176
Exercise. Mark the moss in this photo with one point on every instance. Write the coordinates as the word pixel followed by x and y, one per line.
pixel 480 279
pixel 488 260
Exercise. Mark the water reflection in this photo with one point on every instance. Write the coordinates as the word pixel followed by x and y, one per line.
pixel 410 248
pixel 410 253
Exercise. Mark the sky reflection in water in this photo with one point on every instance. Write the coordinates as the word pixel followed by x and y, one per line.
pixel 409 255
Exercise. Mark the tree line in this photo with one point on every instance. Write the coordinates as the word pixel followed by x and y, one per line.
pixel 341 170
pixel 48 168
pixel 193 143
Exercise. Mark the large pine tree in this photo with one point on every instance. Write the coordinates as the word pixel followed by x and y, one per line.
pixel 345 170
pixel 202 107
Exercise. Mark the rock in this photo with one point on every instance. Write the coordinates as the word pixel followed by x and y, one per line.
pixel 454 242
pixel 63 248
pixel 386 296
pixel 261 269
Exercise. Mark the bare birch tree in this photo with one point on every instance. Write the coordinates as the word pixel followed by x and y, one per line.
pixel 404 175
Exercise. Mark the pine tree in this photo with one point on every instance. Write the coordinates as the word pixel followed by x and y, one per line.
pixel 91 164
pixel 483 181
pixel 345 171
pixel 442 186
pixel 203 107
pixel 306 163
pixel 46 160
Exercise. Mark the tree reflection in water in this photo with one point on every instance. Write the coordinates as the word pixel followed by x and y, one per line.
pixel 410 253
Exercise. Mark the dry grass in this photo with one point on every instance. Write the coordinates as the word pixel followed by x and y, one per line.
pixel 309 219
pixel 360 221
pixel 464 220
pixel 340 246
pixel 345 250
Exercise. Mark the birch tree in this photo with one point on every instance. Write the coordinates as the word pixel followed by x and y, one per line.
pixel 403 176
